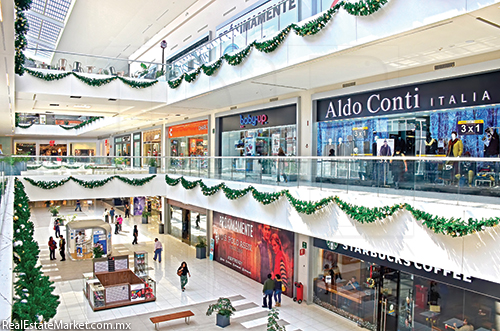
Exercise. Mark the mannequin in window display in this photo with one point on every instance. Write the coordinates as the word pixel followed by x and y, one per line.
pixel 491 143
pixel 341 148
pixel 400 144
pixel 430 145
pixel 431 148
pixel 374 145
pixel 455 149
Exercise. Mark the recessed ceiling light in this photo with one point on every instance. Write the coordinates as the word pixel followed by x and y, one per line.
pixel 177 114
pixel 54 105
pixel 82 106
pixel 75 97
pixel 111 99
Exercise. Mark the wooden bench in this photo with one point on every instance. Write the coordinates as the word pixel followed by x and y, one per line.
pixel 169 317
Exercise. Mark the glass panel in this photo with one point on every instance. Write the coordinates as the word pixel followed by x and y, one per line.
pixel 198 227
pixel 338 286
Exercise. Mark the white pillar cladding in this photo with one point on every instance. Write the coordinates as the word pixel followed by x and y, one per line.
pixel 398 236
pixel 7 265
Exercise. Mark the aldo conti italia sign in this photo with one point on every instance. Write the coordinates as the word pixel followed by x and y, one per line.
pixel 477 90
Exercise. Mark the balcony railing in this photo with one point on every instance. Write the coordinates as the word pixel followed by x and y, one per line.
pixel 408 176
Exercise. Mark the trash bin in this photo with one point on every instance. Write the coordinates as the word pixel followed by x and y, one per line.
pixel 161 228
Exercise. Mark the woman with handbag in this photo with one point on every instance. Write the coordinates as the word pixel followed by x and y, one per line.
pixel 183 272
pixel 278 288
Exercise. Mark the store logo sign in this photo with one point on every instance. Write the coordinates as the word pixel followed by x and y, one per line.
pixel 254 120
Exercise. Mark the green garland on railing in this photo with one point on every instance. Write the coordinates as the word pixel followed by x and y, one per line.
pixel 95 82
pixel 91 184
pixel 48 77
pixel 80 125
pixel 33 299
pixel 454 227
pixel 38 166
pixel 360 8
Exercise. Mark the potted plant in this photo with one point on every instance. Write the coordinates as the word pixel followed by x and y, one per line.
pixel 54 210
pixel 224 310
pixel 145 214
pixel 119 161
pixel 98 251
pixel 152 165
pixel 272 321
pixel 201 248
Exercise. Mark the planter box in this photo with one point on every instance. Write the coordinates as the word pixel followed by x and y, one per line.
pixel 144 220
pixel 201 252
pixel 152 170
pixel 222 321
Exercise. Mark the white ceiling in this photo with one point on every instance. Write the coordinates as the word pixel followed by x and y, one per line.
pixel 464 39
pixel 115 28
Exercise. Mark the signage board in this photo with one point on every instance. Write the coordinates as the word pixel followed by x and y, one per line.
pixel 190 129
pixel 475 90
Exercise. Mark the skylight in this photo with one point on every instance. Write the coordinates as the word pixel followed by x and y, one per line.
pixel 46 20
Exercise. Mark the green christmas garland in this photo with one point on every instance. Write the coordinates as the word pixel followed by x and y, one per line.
pixel 20 31
pixel 80 125
pixel 95 82
pixel 67 166
pixel 455 227
pixel 359 8
pixel 90 184
pixel 33 299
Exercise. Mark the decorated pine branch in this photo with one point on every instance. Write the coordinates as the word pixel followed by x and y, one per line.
pixel 33 299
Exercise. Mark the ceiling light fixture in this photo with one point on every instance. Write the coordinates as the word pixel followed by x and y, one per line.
pixel 488 22
pixel 1 14
pixel 7 75
pixel 54 105
pixel 75 97
pixel 82 106
pixel 111 99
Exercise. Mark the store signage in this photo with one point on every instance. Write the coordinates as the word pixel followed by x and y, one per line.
pixel 472 127
pixel 254 250
pixel 435 273
pixel 189 129
pixel 467 91
pixel 259 16
pixel 277 116
pixel 52 143
pixel 254 120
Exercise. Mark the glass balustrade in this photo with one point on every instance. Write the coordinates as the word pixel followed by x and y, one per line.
pixel 465 179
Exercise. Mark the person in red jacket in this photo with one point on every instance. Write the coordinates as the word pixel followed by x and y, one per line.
pixel 52 248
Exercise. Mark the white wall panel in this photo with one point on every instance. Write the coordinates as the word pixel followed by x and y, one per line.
pixel 399 236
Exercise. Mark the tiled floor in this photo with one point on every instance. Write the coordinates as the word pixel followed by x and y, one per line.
pixel 210 280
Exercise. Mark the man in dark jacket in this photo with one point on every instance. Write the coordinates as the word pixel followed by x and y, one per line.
pixel 62 248
pixel 268 292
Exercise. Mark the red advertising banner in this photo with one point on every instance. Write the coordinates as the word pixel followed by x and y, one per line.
pixel 253 249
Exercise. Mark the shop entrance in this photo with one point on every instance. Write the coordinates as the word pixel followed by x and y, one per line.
pixel 186 226
pixel 396 300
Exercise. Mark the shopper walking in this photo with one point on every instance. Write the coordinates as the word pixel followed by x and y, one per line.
pixel 116 228
pixel 56 228
pixel 278 288
pixel 78 206
pixel 127 211
pixel 62 248
pixel 112 215
pixel 105 215
pixel 52 248
pixel 119 221
pixel 267 290
pixel 135 234
pixel 183 272
pixel 158 249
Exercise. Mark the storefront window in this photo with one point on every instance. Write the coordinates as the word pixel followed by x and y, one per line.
pixel 340 285
pixel 82 149
pixel 137 149
pixel 187 225
pixel 380 297
pixel 152 146
pixel 25 149
pixel 53 149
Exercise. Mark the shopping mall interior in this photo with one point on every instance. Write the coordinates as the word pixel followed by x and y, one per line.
pixel 259 164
